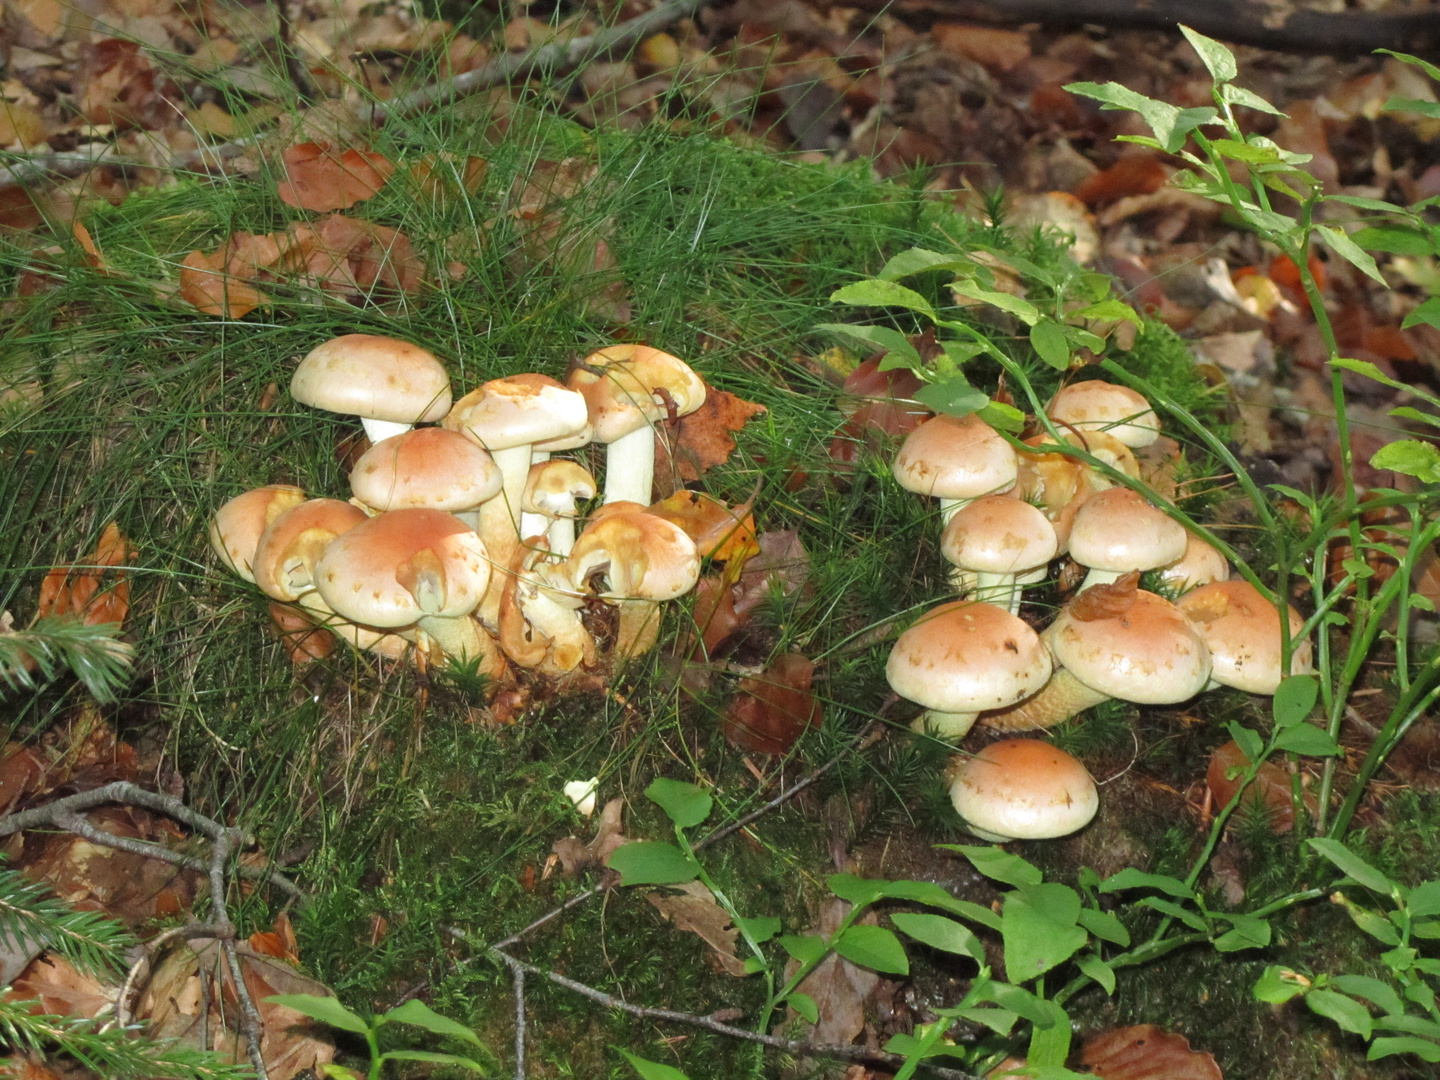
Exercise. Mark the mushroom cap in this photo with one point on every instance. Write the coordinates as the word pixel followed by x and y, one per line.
pixel 553 487
pixel 425 468
pixel 998 535
pixel 954 457
pixel 378 378
pixel 1024 789
pixel 967 657
pixel 518 410
pixel 623 397
pixel 288 550
pixel 236 528
pixel 403 565
pixel 645 557
pixel 1151 653
pixel 584 437
pixel 1200 565
pixel 1094 405
pixel 1242 630
pixel 1118 531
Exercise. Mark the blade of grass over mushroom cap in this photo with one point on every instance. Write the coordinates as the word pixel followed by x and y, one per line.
pixel 1092 405
pixel 956 459
pixel 1116 532
pixel 390 385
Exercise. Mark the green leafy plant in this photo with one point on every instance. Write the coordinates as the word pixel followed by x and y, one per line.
pixel 328 1010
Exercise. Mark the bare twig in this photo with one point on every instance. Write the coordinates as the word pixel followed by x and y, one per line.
pixel 35 167
pixel 518 974
pixel 221 848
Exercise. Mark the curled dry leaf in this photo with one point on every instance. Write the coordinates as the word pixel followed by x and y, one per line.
pixel 61 990
pixel 772 710
pixel 96 589
pixel 320 177
pixel 576 856
pixel 1145 1052
pixel 876 404
pixel 841 990
pixel 1109 601
pixel 714 615
pixel 693 909
pixel 208 285
pixel 120 87
pixel 703 439
pixel 720 532
pixel 1269 792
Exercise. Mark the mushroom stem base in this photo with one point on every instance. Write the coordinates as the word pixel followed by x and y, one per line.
pixel 1101 577
pixel 944 725
pixel 379 430
pixel 1055 702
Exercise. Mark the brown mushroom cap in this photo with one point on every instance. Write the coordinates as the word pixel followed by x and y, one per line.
pixel 1094 405
pixel 288 550
pixel 1242 630
pixel 404 565
pixel 425 468
pixel 1117 531
pixel 622 396
pixel 955 458
pixel 519 410
pixel 1023 789
pixel 998 535
pixel 378 378
pixel 1151 653
pixel 966 657
pixel 236 528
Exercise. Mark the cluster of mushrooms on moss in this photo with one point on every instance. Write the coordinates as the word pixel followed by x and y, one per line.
pixel 459 540
pixel 1007 515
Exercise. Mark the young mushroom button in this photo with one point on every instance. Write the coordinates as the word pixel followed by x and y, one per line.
pixel 1022 789
pixel 963 658
pixel 955 459
pixel 995 539
pixel 552 490
pixel 237 526
pixel 390 385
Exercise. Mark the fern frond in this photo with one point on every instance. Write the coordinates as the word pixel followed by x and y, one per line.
pixel 95 653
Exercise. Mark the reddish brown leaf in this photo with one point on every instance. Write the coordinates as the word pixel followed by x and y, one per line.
pixel 1109 601
pixel 720 532
pixel 772 711
pixel 694 910
pixel 703 439
pixel 1145 1052
pixel 61 990
pixel 87 245
pixel 1269 790
pixel 319 177
pixel 119 86
pixel 21 772
pixel 782 566
pixel 77 590
pixel 206 286
pixel 714 615
pixel 576 855
pixel 998 50
pixel 1133 174
pixel 303 640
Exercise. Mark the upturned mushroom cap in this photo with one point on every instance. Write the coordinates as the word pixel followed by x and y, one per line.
pixel 1200 565
pixel 623 394
pixel 644 557
pixel 1242 630
pixel 426 469
pixel 1118 411
pixel 378 378
pixel 966 657
pixel 1023 789
pixel 1118 531
pixel 998 535
pixel 519 410
pixel 288 550
pixel 955 458
pixel 236 527
pixel 401 566
pixel 553 488
pixel 1150 653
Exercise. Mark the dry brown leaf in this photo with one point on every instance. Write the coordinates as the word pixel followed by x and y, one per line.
pixel 119 86
pixel 87 245
pixel 20 123
pixel 576 855
pixel 839 988
pixel 1145 1052
pixel 772 710
pixel 1133 174
pixel 720 532
pixel 1108 601
pixel 303 640
pixel 319 177
pixel 207 286
pixel 998 50
pixel 77 590
pixel 174 1001
pixel 693 909
pixel 61 990
pixel 703 439
pixel 1268 793
pixel 781 567
pixel 25 1069
pixel 21 772
pixel 441 176
pixel 714 615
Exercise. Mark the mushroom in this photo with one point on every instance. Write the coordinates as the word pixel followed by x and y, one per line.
pixel 1200 565
pixel 391 644
pixel 425 469
pixel 1118 411
pixel 540 624
pixel 643 560
pixel 1022 789
pixel 288 550
pixel 1117 531
pixel 963 658
pixel 994 539
pixel 1242 630
pixel 425 567
pixel 956 459
pixel 628 388
pixel 1140 648
pixel 390 385
pixel 551 491
pixel 236 527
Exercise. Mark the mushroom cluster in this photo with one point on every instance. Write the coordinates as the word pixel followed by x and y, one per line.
pixel 1007 515
pixel 459 540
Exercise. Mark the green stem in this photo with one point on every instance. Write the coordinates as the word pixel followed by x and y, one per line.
pixel 377 1060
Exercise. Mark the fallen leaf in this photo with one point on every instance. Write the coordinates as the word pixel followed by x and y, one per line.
pixel 1269 793
pixel 206 285
pixel 320 177
pixel 713 615
pixel 87 245
pixel 703 439
pixel 1133 174
pixel 1108 601
pixel 576 856
pixel 21 772
pixel 61 990
pixel 1145 1052
pixel 781 567
pixel 720 532
pixel 694 910
pixel 118 86
pixel 771 711
pixel 84 590
pixel 840 989
pixel 998 50
pixel 303 640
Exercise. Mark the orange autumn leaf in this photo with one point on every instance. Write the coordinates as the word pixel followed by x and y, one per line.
pixel 772 710
pixel 207 286
pixel 714 615
pixel 87 245
pixel 1146 1052
pixel 703 439
pixel 320 178
pixel 1133 174
pixel 85 590
pixel 437 176
pixel 720 532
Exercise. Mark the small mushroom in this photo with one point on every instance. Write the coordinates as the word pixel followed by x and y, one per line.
pixel 1022 789
pixel 552 490
pixel 288 550
pixel 1118 411
pixel 956 459
pixel 997 539
pixel 1200 565
pixel 1117 532
pixel 236 528
pixel 1242 630
pixel 425 469
pixel 390 385
pixel 540 624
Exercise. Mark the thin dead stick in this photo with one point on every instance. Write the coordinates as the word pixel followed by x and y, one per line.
pixel 799 1047
pixel 250 1023
pixel 518 975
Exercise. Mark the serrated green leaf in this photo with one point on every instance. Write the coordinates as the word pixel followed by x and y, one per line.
pixel 1047 338
pixel 1410 457
pixel 1002 417
pixel 419 1014
pixel 1171 125
pixel 1108 310
pixel 327 1010
pixel 1023 310
pixel 953 397
pixel 1250 743
pixel 685 804
pixel 1131 878
pixel 1347 1012
pixel 652 862
pixel 1351 865
pixel 806 948
pixel 1237 95
pixel 1308 740
pixel 1388 1046
pixel 653 1070
pixel 940 933
pixel 1218 60
pixel 1338 241
pixel 1239 151
pixel 1105 926
pixel 1277 985
pixel 1380 994
pixel 1038 927
pixel 433 1058
pixel 1295 697
pixel 895 344
pixel 872 947
pixel 998 864
pixel 876 293
pixel 1427 313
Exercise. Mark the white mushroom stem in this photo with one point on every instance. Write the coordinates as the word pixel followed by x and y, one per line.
pixel 630 467
pixel 949 508
pixel 458 638
pixel 499 526
pixel 1002 590
pixel 535 524
pixel 378 430
pixel 951 726
pixel 1101 577
pixel 1055 702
